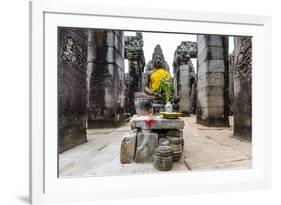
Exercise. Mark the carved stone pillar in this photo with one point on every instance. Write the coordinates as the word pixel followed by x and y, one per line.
pixel 135 56
pixel 72 61
pixel 212 84
pixel 184 75
pixel 243 87
pixel 105 78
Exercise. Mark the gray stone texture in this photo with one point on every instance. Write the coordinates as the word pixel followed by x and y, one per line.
pixel 147 142
pixel 174 133
pixel 243 87
pixel 134 54
pixel 184 75
pixel 206 148
pixel 212 76
pixel 105 79
pixel 159 123
pixel 72 61
pixel 128 147
pixel 231 82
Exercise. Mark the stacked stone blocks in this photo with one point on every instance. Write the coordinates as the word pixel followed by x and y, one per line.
pixel 105 78
pixel 212 99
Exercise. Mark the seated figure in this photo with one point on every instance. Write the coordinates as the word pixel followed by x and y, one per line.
pixel 157 70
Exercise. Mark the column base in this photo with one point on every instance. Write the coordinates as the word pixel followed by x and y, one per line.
pixel 213 122
pixel 243 133
pixel 92 124
pixel 185 113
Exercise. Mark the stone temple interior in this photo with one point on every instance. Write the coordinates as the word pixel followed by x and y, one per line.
pixel 102 72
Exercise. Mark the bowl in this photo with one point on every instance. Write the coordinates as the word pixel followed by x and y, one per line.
pixel 171 115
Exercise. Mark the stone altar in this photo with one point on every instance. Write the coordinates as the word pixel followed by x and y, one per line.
pixel 140 145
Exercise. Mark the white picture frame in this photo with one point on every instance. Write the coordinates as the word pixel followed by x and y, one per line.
pixel 46 187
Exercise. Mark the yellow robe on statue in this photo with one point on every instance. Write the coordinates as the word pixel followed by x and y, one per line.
pixel 155 78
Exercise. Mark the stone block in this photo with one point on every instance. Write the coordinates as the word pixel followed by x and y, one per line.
pixel 200 38
pixel 202 45
pixel 214 40
pixel 216 111
pixel 146 144
pixel 215 101
pixel 141 122
pixel 110 38
pixel 211 66
pixel 175 133
pixel 128 147
pixel 183 88
pixel 211 53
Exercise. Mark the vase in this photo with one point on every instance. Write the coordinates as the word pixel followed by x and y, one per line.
pixel 143 104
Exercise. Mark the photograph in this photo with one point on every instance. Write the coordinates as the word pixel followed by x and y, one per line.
pixel 141 102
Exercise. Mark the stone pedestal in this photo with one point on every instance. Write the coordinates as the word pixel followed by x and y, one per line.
pixel 147 138
pixel 212 92
pixel 243 87
pixel 72 59
pixel 105 78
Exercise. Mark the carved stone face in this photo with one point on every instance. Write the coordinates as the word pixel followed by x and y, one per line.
pixel 70 41
pixel 158 61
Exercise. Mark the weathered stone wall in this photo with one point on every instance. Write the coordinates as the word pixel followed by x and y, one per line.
pixel 212 92
pixel 105 78
pixel 243 87
pixel 72 58
pixel 184 75
pixel 231 83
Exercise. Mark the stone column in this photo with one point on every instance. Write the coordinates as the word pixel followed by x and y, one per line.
pixel 212 84
pixel 243 87
pixel 105 78
pixel 184 75
pixel 135 56
pixel 72 61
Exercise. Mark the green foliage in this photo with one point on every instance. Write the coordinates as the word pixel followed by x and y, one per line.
pixel 166 88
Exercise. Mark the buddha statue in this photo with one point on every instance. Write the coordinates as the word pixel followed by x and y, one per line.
pixel 157 70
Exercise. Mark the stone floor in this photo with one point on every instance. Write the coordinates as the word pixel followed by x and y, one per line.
pixel 205 149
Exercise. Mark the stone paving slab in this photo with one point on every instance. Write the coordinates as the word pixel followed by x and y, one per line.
pixel 205 149
pixel 208 148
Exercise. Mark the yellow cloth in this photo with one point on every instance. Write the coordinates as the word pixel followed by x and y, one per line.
pixel 155 78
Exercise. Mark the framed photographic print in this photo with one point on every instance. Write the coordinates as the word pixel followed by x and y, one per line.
pixel 146 102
